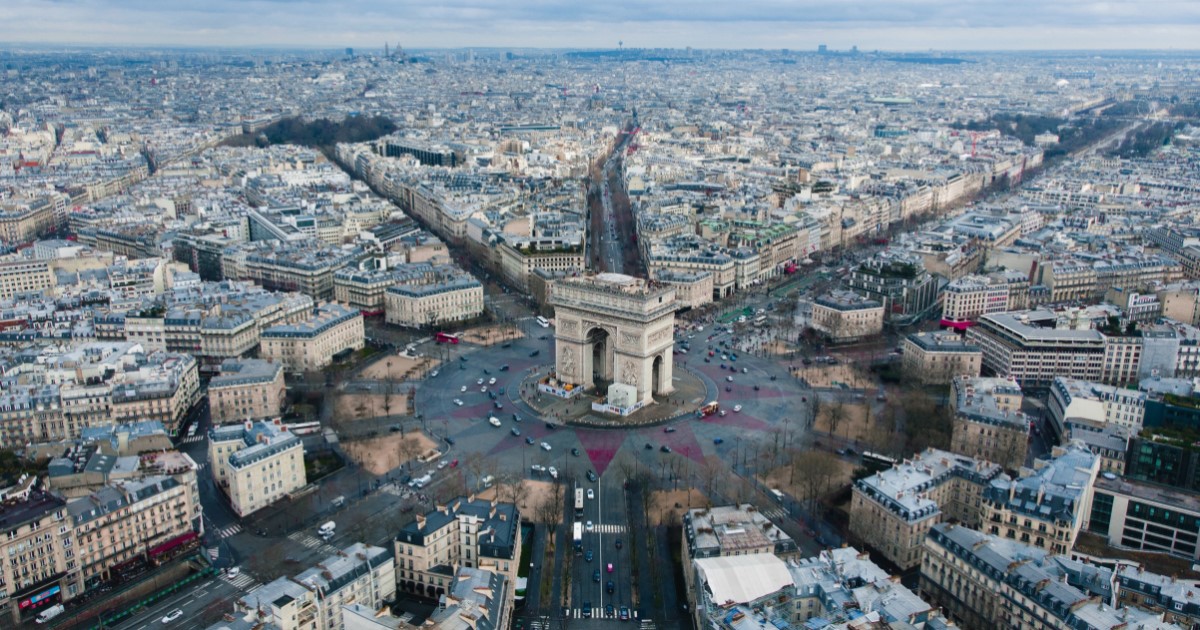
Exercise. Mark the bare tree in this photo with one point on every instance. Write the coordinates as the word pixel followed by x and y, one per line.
pixel 409 449
pixel 711 473
pixel 550 511
pixel 816 470
pixel 834 415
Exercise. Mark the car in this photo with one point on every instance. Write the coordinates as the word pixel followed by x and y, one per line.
pixel 458 401
pixel 707 360
pixel 504 368
pixel 433 374
pixel 723 366
pixel 486 371
pixel 664 448
pixel 745 370
pixel 529 440
pixel 454 463
pixel 624 614
pixel 494 421
pixel 178 612
pixel 610 587
pixel 587 610
pixel 498 404
pixel 596 576
pixel 587 556
pixel 649 446
pixel 464 388
pixel 516 417
pixel 737 408
pixel 591 494
pixel 492 381
pixel 506 344
pixel 463 359
pixel 515 431
pixel 728 379
pixel 728 388
pixel 591 476
pixel 590 526
pixel 718 440
pixel 669 430
pixel 575 452
pixel 545 446
pixel 722 412
pixel 756 388
pixel 483 390
pixel 619 543
pixel 233 571
pixel 537 468
pixel 479 382
pixel 449 440
pixel 501 391
pixel 550 426
pixel 442 465
pixel 395 428
pixel 535 353
pixel 491 395
pixel 610 567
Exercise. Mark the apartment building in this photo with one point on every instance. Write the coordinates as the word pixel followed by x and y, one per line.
pixel 692 254
pixel 359 575
pixel 519 259
pixel 256 463
pixel 733 530
pixel 304 266
pixel 477 597
pixel 40 568
pixel 1096 405
pixel 838 588
pixel 844 316
pixel 988 422
pixel 985 582
pixel 1047 506
pixel 693 289
pixel 1178 601
pixel 24 276
pixel 465 532
pixel 132 524
pixel 312 344
pixel 1145 516
pixel 1030 347
pixel 22 222
pixel 894 509
pixel 448 301
pixel 965 299
pixel 246 389
pixel 939 357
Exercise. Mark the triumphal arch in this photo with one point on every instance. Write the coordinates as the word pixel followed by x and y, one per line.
pixel 614 329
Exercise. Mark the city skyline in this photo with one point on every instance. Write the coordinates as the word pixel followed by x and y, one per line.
pixel 905 25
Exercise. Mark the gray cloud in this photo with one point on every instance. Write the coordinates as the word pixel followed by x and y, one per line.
pixel 800 24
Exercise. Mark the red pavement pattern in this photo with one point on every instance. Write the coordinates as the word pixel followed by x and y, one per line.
pixel 601 446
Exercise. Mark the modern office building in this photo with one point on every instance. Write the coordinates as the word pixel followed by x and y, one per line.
pixel 1145 516
pixel 898 281
pixel 1030 347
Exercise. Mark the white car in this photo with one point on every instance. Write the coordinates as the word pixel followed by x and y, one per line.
pixel 458 402
pixel 729 378
pixel 590 526
pixel 553 472
pixel 479 382
pixel 442 465
pixel 737 407
pixel 545 446
pixel 492 381
pixel 464 388
pixel 494 421
pixel 433 374
pixel 591 494
pixel 173 615
pixel 483 390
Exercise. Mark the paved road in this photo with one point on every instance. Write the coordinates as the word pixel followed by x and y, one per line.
pixel 207 600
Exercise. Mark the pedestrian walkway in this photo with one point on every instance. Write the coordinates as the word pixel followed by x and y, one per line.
pixel 775 514
pixel 242 582
pixel 229 531
pixel 213 552
pixel 598 613
pixel 311 542
pixel 605 528
pixel 192 439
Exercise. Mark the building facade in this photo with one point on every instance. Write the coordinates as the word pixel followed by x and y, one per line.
pixel 246 389
pixel 256 463
pixel 312 344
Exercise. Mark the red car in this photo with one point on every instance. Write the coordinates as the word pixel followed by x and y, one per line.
pixel 454 463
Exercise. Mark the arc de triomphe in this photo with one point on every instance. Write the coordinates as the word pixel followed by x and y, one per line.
pixel 615 328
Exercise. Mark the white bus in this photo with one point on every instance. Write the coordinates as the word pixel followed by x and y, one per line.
pixel 578 537
pixel 543 322
pixel 579 502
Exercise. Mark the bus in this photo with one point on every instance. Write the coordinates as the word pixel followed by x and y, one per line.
pixel 578 538
pixel 445 338
pixel 709 409
pixel 760 320
pixel 876 462
pixel 579 502
pixel 543 322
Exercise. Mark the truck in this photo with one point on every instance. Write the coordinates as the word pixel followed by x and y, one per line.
pixel 50 613
pixel 326 531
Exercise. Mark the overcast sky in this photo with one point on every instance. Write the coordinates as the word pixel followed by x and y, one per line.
pixel 794 24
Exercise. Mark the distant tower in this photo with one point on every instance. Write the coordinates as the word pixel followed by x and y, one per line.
pixel 854 50
pixel 349 52
pixel 822 49
pixel 386 53
pixel 621 45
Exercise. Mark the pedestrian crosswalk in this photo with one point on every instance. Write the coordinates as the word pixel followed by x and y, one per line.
pixel 192 439
pixel 229 531
pixel 311 542
pixel 213 552
pixel 241 581
pixel 775 514
pixel 597 613
pixel 605 528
